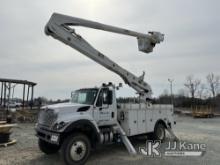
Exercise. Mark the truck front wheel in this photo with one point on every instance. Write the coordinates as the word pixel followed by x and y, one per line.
pixel 48 148
pixel 76 149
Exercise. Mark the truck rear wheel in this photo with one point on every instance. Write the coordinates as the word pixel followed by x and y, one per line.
pixel 76 149
pixel 47 148
pixel 159 132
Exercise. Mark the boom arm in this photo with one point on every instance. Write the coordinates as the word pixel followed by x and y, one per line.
pixel 59 27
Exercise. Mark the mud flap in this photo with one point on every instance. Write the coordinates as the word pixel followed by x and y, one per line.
pixel 171 133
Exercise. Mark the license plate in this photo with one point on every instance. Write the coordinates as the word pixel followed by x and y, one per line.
pixel 54 138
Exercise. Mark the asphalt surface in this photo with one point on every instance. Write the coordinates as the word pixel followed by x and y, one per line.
pixel 206 131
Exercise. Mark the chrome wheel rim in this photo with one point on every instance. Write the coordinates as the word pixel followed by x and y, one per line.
pixel 78 150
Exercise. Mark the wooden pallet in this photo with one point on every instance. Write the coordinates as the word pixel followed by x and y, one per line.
pixel 8 143
pixel 4 128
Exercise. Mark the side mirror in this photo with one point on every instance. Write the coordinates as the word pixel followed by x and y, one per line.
pixel 119 86
pixel 110 97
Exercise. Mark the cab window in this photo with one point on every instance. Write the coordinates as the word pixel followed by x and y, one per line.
pixel 105 97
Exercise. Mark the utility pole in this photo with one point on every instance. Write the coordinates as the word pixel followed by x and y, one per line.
pixel 171 89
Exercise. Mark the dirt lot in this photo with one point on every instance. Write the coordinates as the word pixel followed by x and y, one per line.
pixel 188 129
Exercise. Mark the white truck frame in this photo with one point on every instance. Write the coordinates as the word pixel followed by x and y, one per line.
pixel 77 126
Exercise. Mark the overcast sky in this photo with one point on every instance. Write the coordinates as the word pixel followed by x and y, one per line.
pixel 191 45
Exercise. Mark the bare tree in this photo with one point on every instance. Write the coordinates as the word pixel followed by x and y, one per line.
pixel 201 91
pixel 213 83
pixel 192 85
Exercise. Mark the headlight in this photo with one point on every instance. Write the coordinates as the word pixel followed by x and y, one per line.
pixel 59 126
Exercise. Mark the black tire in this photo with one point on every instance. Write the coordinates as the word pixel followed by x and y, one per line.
pixel 75 149
pixel 159 132
pixel 150 136
pixel 47 148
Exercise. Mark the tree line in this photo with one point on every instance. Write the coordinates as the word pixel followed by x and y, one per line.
pixel 195 92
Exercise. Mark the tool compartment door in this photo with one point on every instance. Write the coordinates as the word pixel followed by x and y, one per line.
pixel 149 121
pixel 133 122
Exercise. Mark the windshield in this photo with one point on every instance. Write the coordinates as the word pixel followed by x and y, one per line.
pixel 84 96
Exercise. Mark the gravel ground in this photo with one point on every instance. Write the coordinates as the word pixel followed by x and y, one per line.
pixel 207 131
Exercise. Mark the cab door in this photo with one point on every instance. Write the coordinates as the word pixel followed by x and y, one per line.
pixel 103 109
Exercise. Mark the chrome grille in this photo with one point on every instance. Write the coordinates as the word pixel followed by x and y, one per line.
pixel 47 117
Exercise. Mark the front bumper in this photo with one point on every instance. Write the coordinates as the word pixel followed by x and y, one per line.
pixel 48 136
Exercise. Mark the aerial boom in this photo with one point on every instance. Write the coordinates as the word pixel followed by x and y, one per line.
pixel 60 27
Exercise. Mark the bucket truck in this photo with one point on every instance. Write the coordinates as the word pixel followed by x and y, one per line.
pixel 93 116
